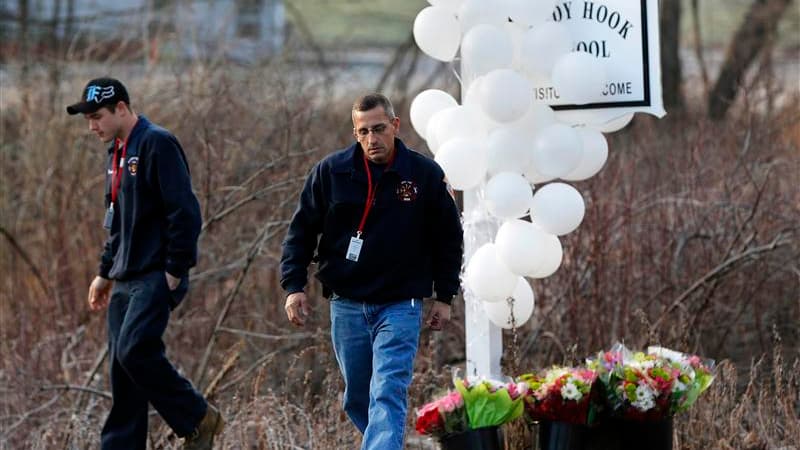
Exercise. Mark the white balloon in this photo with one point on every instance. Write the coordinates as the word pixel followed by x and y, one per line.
pixel 452 5
pixel 463 161
pixel 437 32
pixel 509 150
pixel 579 78
pixel 614 124
pixel 515 32
pixel 433 125
pixel 538 117
pixel 505 95
pixel 588 117
pixel 472 100
pixel 486 48
pixel 558 208
pixel 557 150
pixel 508 195
pixel 551 256
pixel 487 277
pixel 528 13
pixel 500 313
pixel 533 176
pixel 519 245
pixel 543 45
pixel 459 122
pixel 425 105
pixel 471 96
pixel 476 12
pixel 595 154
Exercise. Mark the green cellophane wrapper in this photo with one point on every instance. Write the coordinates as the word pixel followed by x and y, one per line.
pixel 486 408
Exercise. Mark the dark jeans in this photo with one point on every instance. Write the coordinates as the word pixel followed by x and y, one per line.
pixel 140 371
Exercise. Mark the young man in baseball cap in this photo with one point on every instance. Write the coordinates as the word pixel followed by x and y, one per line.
pixel 153 219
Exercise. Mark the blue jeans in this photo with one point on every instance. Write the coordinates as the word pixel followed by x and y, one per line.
pixel 375 347
pixel 140 371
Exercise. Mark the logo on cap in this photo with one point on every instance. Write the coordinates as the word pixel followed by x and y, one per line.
pixel 97 94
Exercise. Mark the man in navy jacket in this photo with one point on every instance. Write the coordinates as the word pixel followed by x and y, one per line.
pixel 153 219
pixel 387 233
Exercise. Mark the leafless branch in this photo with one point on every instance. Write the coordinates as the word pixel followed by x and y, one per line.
pixel 72 387
pixel 264 235
pixel 268 337
pixel 27 259
pixel 720 270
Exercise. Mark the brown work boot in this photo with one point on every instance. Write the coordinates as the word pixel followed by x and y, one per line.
pixel 203 437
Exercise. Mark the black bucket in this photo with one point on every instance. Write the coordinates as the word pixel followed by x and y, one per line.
pixel 606 435
pixel 489 438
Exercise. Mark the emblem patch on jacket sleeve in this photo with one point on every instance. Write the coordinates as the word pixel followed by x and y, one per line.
pixel 407 191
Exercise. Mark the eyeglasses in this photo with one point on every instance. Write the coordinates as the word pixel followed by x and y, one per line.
pixel 377 129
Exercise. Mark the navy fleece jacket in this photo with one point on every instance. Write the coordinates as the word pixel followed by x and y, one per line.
pixel 413 239
pixel 156 217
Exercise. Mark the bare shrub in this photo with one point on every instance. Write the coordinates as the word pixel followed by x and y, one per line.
pixel 690 241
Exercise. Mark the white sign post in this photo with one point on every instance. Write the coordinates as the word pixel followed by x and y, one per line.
pixel 484 340
pixel 624 34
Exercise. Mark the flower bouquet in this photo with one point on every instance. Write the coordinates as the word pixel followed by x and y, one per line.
pixel 491 403
pixel 469 416
pixel 693 377
pixel 443 417
pixel 650 386
pixel 562 394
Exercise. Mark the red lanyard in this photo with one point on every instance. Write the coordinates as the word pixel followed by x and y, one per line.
pixel 116 173
pixel 371 190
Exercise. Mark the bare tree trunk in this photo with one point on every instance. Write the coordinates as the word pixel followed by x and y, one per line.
pixel 760 22
pixel 55 50
pixel 24 47
pixel 670 58
pixel 69 21
pixel 698 45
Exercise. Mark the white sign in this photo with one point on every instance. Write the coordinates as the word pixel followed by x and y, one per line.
pixel 624 34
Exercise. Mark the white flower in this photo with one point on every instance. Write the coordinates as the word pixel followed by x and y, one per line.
pixel 570 392
pixel 645 398
pixel 671 355
pixel 554 374
pixel 646 364
pixel 677 386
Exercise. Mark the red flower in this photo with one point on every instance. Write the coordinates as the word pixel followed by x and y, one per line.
pixel 429 421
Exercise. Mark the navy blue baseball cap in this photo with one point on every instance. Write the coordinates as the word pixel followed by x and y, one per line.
pixel 98 93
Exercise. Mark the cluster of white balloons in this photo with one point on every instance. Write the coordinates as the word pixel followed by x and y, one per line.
pixel 504 142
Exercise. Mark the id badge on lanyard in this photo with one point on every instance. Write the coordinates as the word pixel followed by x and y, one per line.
pixel 109 219
pixel 354 249
pixel 356 242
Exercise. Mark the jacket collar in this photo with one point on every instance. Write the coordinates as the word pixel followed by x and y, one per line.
pixel 141 124
pixel 352 158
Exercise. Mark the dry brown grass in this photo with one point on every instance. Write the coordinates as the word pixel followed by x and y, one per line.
pixel 690 241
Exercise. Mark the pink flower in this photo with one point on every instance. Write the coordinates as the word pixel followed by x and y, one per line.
pixel 517 389
pixel 426 408
pixel 611 359
pixel 451 402
pixel 586 374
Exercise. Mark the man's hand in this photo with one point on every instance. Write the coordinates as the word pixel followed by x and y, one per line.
pixel 297 308
pixel 172 282
pixel 99 292
pixel 438 316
